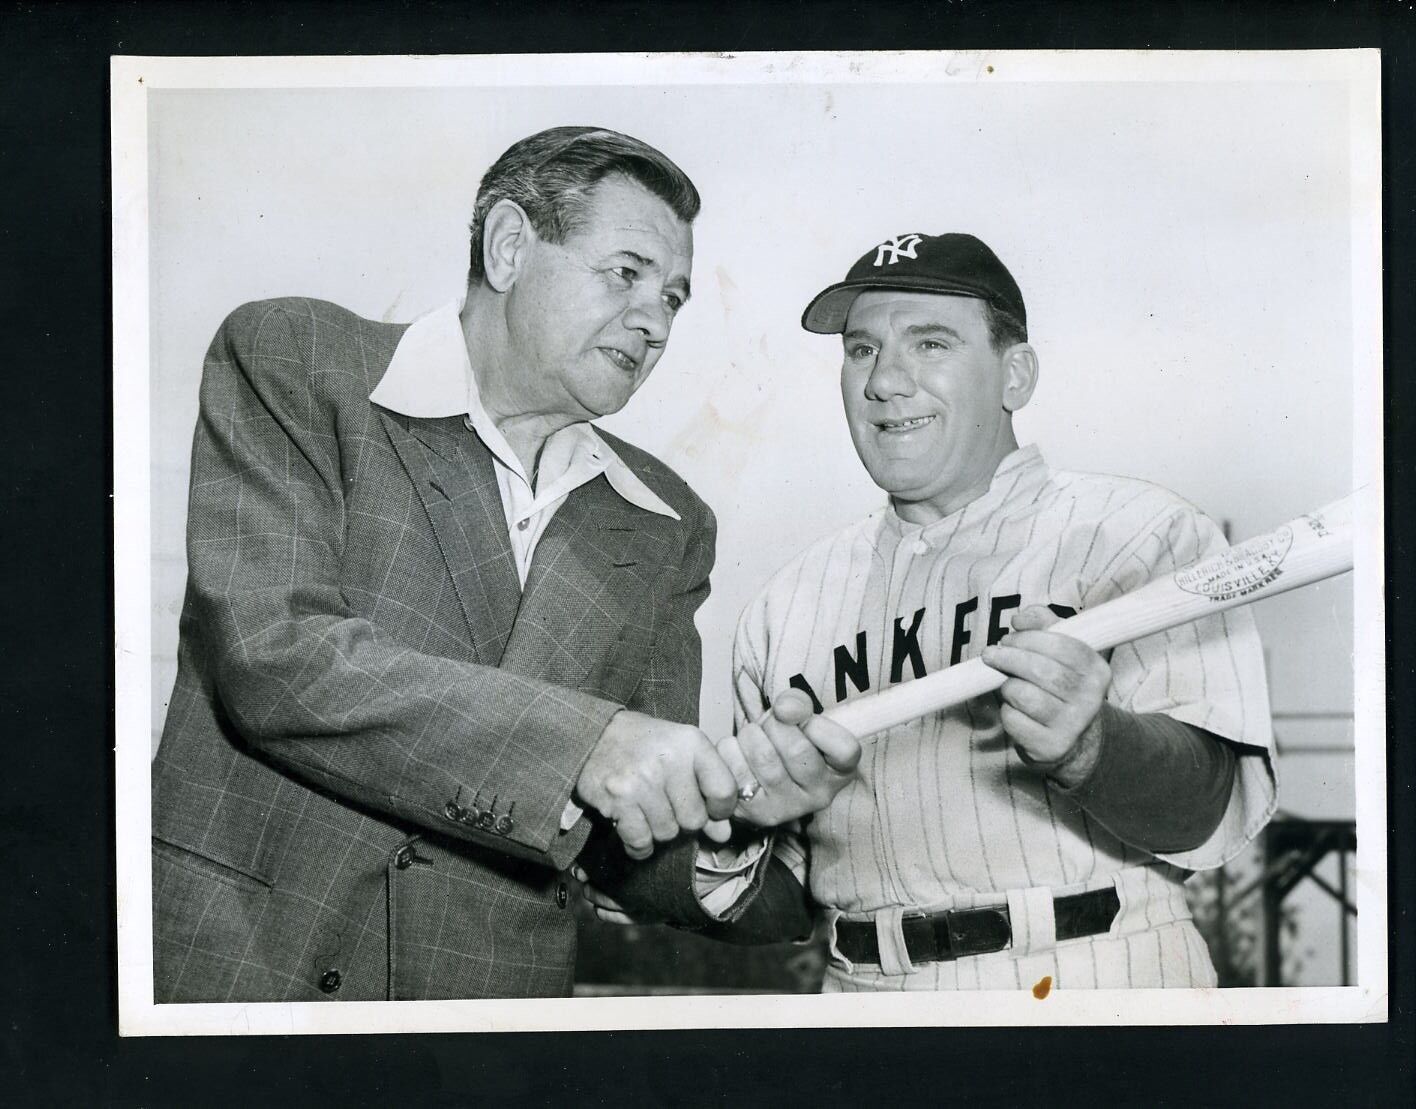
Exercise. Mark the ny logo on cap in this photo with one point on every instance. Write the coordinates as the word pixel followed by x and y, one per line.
pixel 901 246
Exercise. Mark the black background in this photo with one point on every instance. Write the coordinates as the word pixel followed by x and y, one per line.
pixel 58 1039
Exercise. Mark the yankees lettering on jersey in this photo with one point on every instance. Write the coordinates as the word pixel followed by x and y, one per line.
pixel 943 813
pixel 852 663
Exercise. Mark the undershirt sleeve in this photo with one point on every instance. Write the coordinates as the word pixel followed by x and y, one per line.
pixel 1158 783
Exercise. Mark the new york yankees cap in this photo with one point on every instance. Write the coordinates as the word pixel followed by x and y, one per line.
pixel 955 264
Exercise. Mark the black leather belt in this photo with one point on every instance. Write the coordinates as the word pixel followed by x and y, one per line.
pixel 959 933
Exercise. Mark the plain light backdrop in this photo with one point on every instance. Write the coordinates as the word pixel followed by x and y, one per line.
pixel 1183 248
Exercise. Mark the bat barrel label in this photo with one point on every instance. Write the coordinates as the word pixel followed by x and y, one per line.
pixel 1240 570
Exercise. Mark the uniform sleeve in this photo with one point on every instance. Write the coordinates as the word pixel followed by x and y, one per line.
pixel 328 696
pixel 1158 783
pixel 1208 673
pixel 750 698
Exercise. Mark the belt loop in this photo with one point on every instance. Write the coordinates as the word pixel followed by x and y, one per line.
pixel 1149 896
pixel 1033 921
pixel 1133 891
pixel 894 957
pixel 834 952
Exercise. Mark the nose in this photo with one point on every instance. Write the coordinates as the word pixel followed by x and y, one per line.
pixel 649 316
pixel 889 377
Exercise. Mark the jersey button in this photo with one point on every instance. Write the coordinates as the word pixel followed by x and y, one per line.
pixel 521 525
pixel 920 547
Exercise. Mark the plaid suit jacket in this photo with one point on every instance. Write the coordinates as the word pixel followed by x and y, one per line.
pixel 374 730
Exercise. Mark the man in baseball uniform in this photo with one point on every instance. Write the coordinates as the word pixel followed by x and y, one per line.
pixel 1047 829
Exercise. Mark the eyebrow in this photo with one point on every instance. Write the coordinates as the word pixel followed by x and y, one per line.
pixel 648 263
pixel 914 331
pixel 918 329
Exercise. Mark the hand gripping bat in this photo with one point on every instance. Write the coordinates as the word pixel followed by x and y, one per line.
pixel 1310 548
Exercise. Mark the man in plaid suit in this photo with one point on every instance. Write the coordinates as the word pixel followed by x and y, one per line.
pixel 437 626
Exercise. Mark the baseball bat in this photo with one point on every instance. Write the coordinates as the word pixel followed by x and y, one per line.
pixel 1310 548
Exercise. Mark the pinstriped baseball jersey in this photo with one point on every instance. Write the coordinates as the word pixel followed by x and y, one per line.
pixel 944 814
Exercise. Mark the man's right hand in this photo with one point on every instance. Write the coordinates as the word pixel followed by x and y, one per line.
pixel 654 779
pixel 789 762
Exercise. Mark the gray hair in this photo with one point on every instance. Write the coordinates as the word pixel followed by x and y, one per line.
pixel 553 173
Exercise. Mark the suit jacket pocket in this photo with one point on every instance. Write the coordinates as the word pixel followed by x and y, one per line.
pixel 463 930
pixel 204 918
pixel 204 865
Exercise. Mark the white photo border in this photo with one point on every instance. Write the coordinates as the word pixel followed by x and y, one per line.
pixel 133 79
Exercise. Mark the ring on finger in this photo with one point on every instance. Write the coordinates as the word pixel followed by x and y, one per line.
pixel 749 791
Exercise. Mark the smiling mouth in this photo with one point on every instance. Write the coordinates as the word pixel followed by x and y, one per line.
pixel 620 359
pixel 901 426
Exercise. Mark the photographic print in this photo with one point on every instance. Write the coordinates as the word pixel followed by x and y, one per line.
pixel 638 541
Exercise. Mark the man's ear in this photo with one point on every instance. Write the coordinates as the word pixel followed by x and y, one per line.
pixel 1019 376
pixel 507 236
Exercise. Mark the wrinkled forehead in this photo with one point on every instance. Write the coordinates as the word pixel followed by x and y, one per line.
pixel 620 211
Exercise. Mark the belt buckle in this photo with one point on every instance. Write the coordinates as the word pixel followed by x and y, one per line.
pixel 977 931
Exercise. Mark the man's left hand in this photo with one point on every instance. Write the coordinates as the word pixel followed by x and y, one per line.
pixel 1053 696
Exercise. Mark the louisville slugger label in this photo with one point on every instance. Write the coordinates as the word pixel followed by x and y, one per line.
pixel 1240 570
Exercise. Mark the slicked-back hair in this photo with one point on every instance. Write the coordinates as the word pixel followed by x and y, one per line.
pixel 552 174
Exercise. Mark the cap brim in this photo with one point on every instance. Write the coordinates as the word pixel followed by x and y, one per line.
pixel 826 314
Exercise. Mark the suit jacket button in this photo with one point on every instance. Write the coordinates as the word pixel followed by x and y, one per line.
pixel 330 981
pixel 471 816
pixel 504 825
pixel 403 857
pixel 452 810
pixel 562 895
pixel 486 821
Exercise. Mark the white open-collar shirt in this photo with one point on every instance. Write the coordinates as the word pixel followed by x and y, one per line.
pixel 430 377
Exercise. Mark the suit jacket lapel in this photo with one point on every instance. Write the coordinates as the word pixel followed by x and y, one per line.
pixel 590 572
pixel 453 475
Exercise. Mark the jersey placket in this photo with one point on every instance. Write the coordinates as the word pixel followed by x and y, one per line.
pixel 907 548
